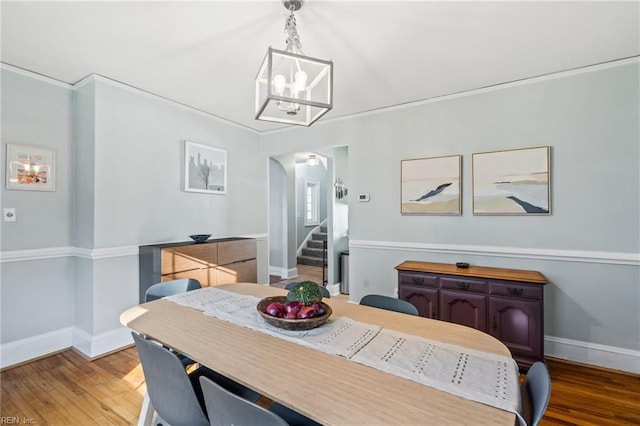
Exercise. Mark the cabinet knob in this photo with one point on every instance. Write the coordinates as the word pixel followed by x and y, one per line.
pixel 494 324
pixel 514 291
pixel 463 286
pixel 417 280
pixel 433 314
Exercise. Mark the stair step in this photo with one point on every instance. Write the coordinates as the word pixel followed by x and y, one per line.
pixel 313 252
pixel 311 261
pixel 319 236
pixel 315 244
pixel 323 229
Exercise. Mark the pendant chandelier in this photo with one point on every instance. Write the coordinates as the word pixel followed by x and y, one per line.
pixel 293 88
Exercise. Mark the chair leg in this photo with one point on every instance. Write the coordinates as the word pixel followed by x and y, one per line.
pixel 146 411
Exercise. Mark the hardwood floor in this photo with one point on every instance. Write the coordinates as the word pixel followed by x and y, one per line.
pixel 67 389
pixel 582 395
pixel 305 273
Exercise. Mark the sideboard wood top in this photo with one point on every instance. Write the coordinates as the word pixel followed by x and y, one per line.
pixel 473 271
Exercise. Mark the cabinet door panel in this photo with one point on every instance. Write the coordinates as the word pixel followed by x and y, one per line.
pixel 239 272
pixel 236 251
pixel 517 323
pixel 464 308
pixel 184 258
pixel 425 299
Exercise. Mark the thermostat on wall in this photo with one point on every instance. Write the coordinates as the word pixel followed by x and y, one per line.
pixel 363 198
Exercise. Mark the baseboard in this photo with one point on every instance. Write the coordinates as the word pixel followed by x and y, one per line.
pixel 593 354
pixel 95 346
pixel 283 273
pixel 333 288
pixel 31 348
pixel 19 351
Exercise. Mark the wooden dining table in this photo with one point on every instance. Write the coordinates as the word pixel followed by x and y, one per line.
pixel 327 388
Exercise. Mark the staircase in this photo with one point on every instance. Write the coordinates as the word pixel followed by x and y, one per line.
pixel 312 253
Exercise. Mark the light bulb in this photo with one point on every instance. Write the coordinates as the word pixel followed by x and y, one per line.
pixel 279 81
pixel 301 81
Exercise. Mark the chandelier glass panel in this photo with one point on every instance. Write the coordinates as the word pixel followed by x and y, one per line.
pixel 290 87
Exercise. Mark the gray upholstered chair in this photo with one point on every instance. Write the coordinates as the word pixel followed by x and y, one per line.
pixel 175 395
pixel 389 303
pixel 535 392
pixel 169 288
pixel 325 292
pixel 226 409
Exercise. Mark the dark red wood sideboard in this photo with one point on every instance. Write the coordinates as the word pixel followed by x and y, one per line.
pixel 506 303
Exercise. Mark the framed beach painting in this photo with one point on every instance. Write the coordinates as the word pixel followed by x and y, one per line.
pixel 30 168
pixel 205 169
pixel 514 182
pixel 431 185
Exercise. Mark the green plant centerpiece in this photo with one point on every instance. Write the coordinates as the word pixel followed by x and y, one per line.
pixel 305 292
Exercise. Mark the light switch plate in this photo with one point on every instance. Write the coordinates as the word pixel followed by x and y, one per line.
pixel 9 215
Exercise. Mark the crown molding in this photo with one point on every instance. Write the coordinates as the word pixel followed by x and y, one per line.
pixel 471 92
pixel 35 76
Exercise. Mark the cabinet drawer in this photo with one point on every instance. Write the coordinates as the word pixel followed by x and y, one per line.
pixel 235 251
pixel 183 258
pixel 464 284
pixel 516 289
pixel 206 276
pixel 417 279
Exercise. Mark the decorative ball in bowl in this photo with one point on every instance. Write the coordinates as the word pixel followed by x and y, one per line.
pixel 322 312
pixel 200 238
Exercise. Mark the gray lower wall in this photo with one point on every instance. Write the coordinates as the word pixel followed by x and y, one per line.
pixel 589 118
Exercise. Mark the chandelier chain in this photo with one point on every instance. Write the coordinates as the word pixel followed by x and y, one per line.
pixel 293 39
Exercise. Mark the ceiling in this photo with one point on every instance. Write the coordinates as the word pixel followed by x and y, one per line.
pixel 206 54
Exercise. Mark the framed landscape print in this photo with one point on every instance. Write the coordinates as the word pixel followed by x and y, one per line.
pixel 514 182
pixel 431 185
pixel 205 169
pixel 30 168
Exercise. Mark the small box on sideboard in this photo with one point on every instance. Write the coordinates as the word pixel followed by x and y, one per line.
pixel 214 262
pixel 506 303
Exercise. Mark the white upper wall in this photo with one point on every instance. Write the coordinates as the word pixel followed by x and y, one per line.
pixel 589 119
pixel 37 112
pixel 139 172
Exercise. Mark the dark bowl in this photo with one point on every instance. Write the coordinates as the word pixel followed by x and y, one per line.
pixel 291 324
pixel 200 238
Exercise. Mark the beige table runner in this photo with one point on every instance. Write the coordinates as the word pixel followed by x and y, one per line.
pixel 479 376
pixel 338 336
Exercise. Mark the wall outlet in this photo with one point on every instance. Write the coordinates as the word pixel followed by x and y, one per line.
pixel 9 215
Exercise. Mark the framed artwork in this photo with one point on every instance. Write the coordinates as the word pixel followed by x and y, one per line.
pixel 431 185
pixel 205 169
pixel 30 168
pixel 514 182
